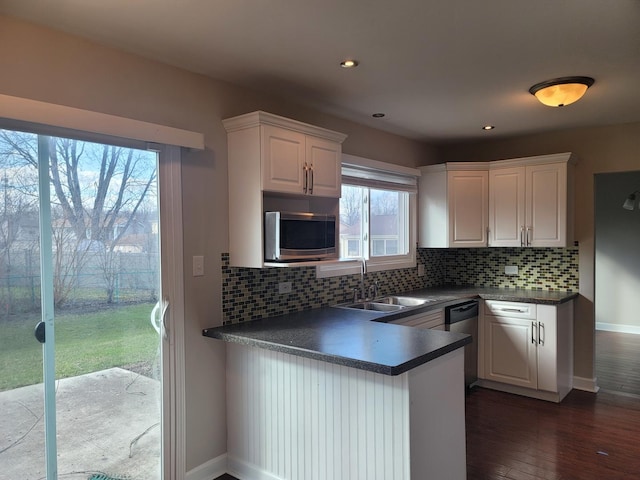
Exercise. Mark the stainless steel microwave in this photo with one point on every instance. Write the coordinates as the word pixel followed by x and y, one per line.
pixel 290 236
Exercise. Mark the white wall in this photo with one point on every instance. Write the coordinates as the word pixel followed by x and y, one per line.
pixel 617 253
pixel 50 66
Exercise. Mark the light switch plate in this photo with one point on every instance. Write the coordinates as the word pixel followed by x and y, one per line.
pixel 420 270
pixel 511 270
pixel 198 265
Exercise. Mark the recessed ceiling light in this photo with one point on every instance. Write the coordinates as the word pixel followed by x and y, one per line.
pixel 488 127
pixel 378 115
pixel 349 63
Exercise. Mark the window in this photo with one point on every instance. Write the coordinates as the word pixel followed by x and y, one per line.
pixel 373 222
pixel 377 216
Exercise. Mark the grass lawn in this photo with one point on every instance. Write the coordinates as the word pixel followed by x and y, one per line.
pixel 85 342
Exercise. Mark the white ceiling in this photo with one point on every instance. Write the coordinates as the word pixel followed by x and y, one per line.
pixel 438 69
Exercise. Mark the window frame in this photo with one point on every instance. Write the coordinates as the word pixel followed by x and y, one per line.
pixel 376 169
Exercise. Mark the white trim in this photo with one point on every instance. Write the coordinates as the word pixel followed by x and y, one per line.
pixel 616 327
pixel 27 110
pixel 257 118
pixel 173 291
pixel 538 160
pixel 354 160
pixel 245 471
pixel 586 384
pixel 214 468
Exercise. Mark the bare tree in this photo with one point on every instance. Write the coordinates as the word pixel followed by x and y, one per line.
pixel 350 205
pixel 95 187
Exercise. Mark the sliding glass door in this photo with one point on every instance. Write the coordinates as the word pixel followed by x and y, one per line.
pixel 80 318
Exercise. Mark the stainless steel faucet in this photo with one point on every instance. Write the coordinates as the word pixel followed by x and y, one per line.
pixel 363 272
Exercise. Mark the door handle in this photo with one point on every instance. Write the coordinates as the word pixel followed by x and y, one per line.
pixel 311 180
pixel 541 333
pixel 522 236
pixel 528 238
pixel 163 317
pixel 533 329
pixel 39 332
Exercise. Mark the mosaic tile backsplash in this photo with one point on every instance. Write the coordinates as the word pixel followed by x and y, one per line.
pixel 249 293
pixel 538 268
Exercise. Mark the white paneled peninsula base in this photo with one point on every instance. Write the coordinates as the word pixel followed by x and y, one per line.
pixel 397 413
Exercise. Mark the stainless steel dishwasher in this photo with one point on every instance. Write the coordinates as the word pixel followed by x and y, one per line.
pixel 463 318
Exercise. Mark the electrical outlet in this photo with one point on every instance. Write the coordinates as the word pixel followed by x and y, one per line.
pixel 198 266
pixel 511 270
pixel 420 270
pixel 284 287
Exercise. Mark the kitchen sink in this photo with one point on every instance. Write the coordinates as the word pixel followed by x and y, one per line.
pixel 378 307
pixel 391 303
pixel 402 301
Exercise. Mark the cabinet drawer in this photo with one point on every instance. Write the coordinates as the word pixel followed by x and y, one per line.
pixel 510 309
pixel 434 319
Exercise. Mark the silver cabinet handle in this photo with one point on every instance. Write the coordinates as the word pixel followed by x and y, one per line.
pixel 488 234
pixel 311 181
pixel 528 238
pixel 533 329
pixel 522 236
pixel 541 333
pixel 515 310
pixel 305 180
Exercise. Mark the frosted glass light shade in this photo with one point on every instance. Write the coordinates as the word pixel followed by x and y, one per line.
pixel 561 91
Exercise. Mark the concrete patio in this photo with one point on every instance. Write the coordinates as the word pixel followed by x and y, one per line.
pixel 108 423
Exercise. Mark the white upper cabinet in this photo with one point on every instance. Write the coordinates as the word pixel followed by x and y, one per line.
pixel 454 205
pixel 275 163
pixel 324 167
pixel 291 157
pixel 467 194
pixel 283 160
pixel 531 202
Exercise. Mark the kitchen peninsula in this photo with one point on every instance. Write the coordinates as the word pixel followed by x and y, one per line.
pixel 329 394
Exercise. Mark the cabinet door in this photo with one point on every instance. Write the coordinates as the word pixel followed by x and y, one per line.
pixel 546 212
pixel 468 199
pixel 283 154
pixel 548 348
pixel 510 354
pixel 506 207
pixel 325 160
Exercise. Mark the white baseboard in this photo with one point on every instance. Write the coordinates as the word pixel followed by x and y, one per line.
pixel 246 471
pixel 209 470
pixel 586 384
pixel 616 327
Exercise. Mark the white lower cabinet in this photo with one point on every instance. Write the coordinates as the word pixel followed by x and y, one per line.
pixel 527 348
pixel 433 320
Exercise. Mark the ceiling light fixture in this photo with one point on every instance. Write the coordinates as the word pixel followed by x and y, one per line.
pixel 561 91
pixel 488 127
pixel 630 202
pixel 349 63
pixel 378 115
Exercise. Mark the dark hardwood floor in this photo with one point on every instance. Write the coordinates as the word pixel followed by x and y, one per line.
pixel 586 437
pixel 618 361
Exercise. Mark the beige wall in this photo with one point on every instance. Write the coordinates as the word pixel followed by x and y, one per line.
pixel 54 67
pixel 599 150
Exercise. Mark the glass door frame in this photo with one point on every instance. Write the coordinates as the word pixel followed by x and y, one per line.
pixel 172 287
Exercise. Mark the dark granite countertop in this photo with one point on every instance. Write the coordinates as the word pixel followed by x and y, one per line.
pixel 486 293
pixel 350 337
pixel 344 337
